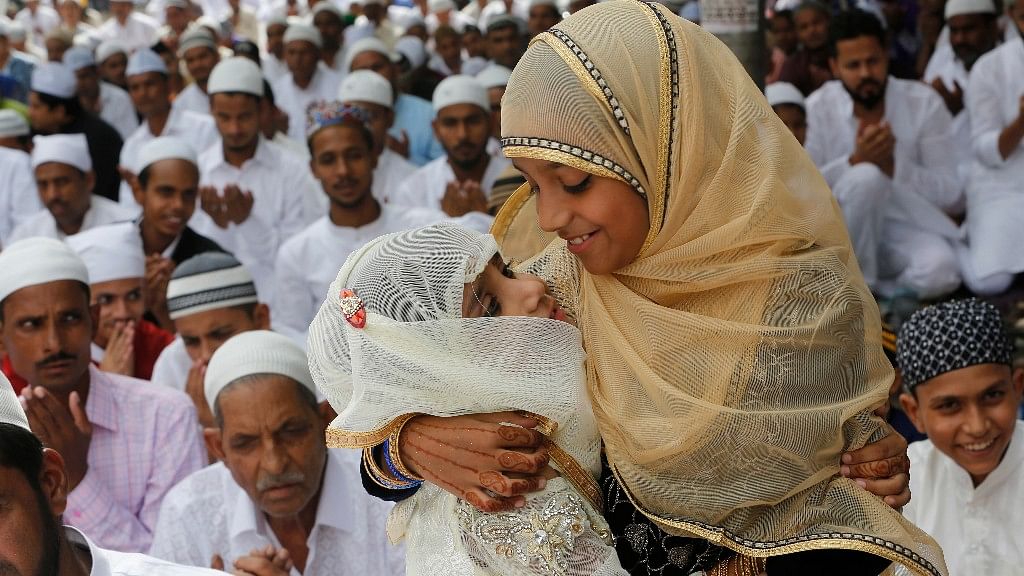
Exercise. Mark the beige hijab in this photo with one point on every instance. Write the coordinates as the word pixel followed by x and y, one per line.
pixel 739 355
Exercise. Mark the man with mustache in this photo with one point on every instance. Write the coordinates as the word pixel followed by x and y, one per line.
pixel 125 442
pixel 460 181
pixel 64 180
pixel 883 145
pixel 278 501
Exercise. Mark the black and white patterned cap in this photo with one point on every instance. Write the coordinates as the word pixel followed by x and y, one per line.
pixel 949 336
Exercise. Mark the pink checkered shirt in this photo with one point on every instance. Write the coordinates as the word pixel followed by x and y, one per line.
pixel 145 439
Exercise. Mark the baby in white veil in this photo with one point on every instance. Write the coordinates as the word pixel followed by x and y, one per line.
pixel 425 322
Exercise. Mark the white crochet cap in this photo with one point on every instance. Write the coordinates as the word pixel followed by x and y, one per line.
pixel 12 124
pixel 494 76
pixel 196 37
pixel 255 352
pixel 366 86
pixel 165 148
pixel 533 3
pixel 78 57
pixel 372 44
pixel 183 4
pixel 784 93
pixel 209 281
pixel 144 61
pixel 70 149
pixel 10 407
pixel 16 31
pixel 38 260
pixel 413 49
pixel 108 48
pixel 237 74
pixel 111 252
pixel 961 7
pixel 460 89
pixel 327 6
pixel 54 79
pixel 435 6
pixel 303 33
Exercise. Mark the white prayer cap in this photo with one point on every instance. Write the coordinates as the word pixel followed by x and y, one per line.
pixel 366 86
pixel 255 352
pixel 54 79
pixel 196 37
pixel 70 149
pixel 371 44
pixel 165 148
pixel 183 4
pixel 11 411
pixel 460 89
pixel 494 76
pixel 209 281
pixel 38 260
pixel 12 124
pixel 209 24
pixel 279 17
pixel 327 6
pixel 237 74
pixel 78 57
pixel 377 2
pixel 112 252
pixel 533 3
pixel 144 61
pixel 784 93
pixel 16 31
pixel 3 27
pixel 413 49
pixel 303 33
pixel 961 7
pixel 435 6
pixel 108 48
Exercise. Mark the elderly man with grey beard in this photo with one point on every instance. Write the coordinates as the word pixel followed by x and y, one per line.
pixel 278 502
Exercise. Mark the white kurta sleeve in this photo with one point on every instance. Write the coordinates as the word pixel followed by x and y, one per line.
pixel 935 178
pixel 293 305
pixel 985 108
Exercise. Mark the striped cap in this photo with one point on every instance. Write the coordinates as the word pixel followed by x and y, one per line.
pixel 209 281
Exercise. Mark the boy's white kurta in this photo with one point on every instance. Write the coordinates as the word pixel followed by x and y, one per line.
pixel 294 101
pixel 110 563
pixel 19 199
pixel 426 186
pixel 101 212
pixel 117 110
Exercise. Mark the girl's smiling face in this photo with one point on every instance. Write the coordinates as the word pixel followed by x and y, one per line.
pixel 603 221
pixel 498 291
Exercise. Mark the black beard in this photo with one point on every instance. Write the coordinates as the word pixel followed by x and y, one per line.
pixel 868 102
pixel 466 164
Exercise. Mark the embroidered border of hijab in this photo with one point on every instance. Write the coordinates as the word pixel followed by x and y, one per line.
pixel 570 155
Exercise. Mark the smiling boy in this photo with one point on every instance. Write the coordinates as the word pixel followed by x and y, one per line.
pixel 961 390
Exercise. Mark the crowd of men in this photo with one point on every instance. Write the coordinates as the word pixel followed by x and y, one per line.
pixel 181 180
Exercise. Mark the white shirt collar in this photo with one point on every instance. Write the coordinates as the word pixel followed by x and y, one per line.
pixel 100 564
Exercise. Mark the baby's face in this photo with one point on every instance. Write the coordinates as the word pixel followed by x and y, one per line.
pixel 498 291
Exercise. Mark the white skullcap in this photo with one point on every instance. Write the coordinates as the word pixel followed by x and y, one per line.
pixel 78 57
pixel 210 25
pixel 237 74
pixel 435 6
pixel 196 37
pixel 70 149
pixel 375 2
pixel 144 61
pixel 3 27
pixel 54 79
pixel 11 411
pixel 366 86
pixel 371 44
pixel 108 48
pixel 494 76
pixel 279 17
pixel 255 352
pixel 533 3
pixel 38 260
pixel 303 33
pixel 413 49
pixel 164 148
pixel 784 93
pixel 961 7
pixel 460 89
pixel 12 124
pixel 112 252
pixel 327 6
pixel 209 281
pixel 16 31
pixel 183 4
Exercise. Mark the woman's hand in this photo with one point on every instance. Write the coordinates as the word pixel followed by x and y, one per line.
pixel 881 468
pixel 476 457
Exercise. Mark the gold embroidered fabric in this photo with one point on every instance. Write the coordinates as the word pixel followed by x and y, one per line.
pixel 739 355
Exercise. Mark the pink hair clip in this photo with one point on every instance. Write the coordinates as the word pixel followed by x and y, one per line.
pixel 353 308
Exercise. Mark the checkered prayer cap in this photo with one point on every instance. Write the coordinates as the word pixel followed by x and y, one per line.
pixel 322 114
pixel 949 336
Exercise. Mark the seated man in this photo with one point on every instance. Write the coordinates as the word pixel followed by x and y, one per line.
pixel 65 179
pixel 124 343
pixel 789 105
pixel 33 486
pixel 883 145
pixel 962 390
pixel 278 496
pixel 125 442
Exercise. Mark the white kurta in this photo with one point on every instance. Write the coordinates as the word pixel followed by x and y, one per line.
pixel 193 99
pixel 945 65
pixel 995 193
pixel 900 231
pixel 112 563
pixel 392 169
pixel 172 366
pixel 274 70
pixel 208 513
pixel 117 110
pixel 196 129
pixel 294 100
pixel 38 24
pixel 978 528
pixel 426 186
pixel 18 197
pixel 138 31
pixel 101 212
pixel 278 182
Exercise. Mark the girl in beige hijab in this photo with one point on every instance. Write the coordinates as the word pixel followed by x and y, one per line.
pixel 733 349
